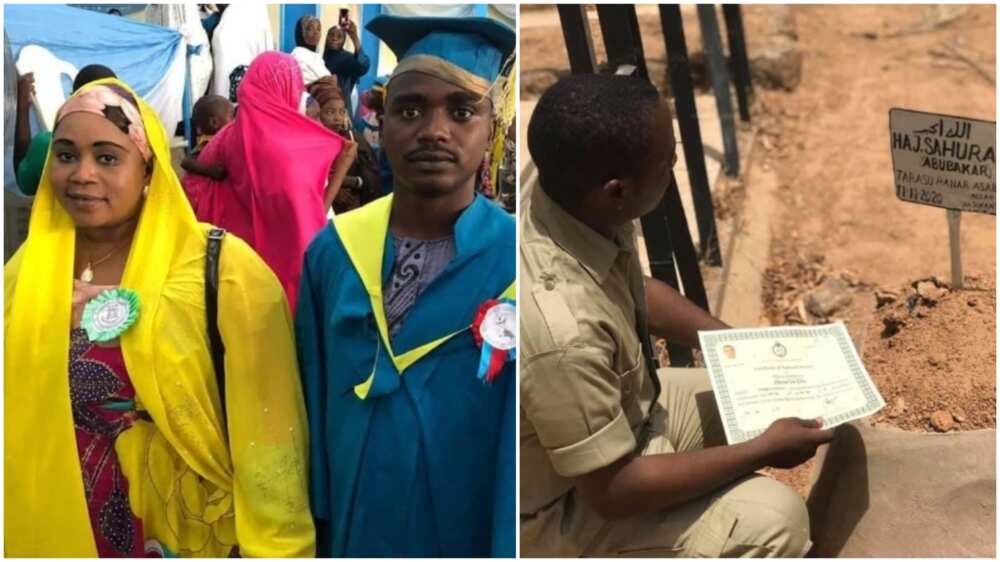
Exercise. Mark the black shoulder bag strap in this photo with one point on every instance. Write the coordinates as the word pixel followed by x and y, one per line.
pixel 217 348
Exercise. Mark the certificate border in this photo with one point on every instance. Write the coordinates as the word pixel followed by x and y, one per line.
pixel 711 339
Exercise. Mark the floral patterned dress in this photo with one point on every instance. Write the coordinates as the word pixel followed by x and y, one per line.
pixel 103 401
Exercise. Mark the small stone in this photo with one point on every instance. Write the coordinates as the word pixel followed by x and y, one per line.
pixel 883 298
pixel 936 360
pixel 942 421
pixel 972 302
pixel 930 292
pixel 899 405
pixel 959 416
pixel 832 295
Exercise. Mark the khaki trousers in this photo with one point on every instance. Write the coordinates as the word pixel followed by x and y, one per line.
pixel 754 516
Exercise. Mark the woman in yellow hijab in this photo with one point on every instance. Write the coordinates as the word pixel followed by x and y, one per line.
pixel 116 442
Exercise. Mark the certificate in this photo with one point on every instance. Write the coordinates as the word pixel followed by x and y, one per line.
pixel 763 374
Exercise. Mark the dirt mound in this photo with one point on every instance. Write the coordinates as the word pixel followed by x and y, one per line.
pixel 932 356
pixel 929 349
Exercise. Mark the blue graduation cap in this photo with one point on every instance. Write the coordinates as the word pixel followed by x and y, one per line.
pixel 477 45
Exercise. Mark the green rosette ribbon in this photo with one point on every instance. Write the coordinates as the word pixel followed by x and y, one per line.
pixel 109 314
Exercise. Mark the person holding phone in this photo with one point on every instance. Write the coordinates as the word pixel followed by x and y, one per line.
pixel 343 64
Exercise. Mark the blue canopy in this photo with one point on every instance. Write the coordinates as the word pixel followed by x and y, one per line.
pixel 139 53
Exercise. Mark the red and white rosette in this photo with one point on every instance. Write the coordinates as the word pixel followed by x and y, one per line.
pixel 494 330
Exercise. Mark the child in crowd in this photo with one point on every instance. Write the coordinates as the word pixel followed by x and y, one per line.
pixel 361 183
pixel 209 114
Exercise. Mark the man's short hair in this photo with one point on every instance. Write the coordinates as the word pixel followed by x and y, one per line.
pixel 90 73
pixel 588 129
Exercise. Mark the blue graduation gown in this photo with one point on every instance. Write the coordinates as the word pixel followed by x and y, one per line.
pixel 424 465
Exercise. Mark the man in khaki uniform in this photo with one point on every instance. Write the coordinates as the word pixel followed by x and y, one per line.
pixel 617 459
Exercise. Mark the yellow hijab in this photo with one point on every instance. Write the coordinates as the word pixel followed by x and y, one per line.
pixel 194 492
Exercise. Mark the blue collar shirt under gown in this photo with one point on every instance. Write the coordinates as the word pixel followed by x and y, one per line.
pixel 424 465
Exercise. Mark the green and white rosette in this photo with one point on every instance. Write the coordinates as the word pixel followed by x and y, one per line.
pixel 109 314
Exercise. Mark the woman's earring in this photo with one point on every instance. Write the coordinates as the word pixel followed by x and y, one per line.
pixel 145 190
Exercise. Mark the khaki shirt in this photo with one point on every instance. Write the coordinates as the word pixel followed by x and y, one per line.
pixel 585 383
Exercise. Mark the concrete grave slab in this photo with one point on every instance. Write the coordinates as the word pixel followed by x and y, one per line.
pixel 885 492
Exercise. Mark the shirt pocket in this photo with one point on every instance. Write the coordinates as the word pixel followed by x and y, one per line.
pixel 712 537
pixel 630 382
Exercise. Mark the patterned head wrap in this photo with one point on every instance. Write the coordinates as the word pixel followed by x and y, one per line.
pixel 115 105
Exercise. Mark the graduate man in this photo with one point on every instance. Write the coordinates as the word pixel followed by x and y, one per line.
pixel 405 321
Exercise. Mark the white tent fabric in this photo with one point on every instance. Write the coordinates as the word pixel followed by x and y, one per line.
pixel 165 97
pixel 49 71
pixel 505 13
pixel 243 33
pixel 55 41
pixel 184 18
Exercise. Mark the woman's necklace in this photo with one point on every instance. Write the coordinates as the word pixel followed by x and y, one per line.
pixel 88 272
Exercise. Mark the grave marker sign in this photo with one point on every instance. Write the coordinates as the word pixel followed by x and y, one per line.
pixel 944 161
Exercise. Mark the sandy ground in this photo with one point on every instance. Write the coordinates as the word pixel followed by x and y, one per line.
pixel 834 137
pixel 840 217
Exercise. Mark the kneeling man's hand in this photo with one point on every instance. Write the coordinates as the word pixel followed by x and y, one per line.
pixel 790 442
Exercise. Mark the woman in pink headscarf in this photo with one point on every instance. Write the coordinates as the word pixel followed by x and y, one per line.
pixel 278 169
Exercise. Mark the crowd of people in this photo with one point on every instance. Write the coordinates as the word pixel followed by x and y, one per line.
pixel 288 351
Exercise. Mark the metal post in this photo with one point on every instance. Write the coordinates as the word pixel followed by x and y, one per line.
pixel 660 252
pixel 680 237
pixel 682 86
pixel 955 244
pixel 738 58
pixel 667 238
pixel 576 32
pixel 720 85
pixel 620 30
